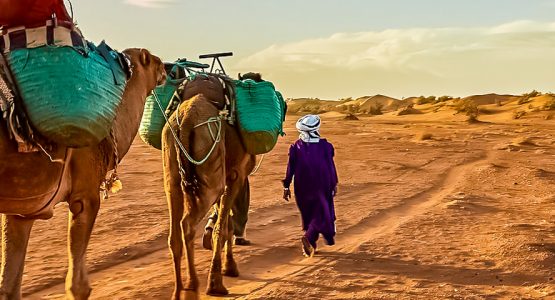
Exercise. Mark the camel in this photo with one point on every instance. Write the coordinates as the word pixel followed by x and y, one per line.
pixel 192 189
pixel 32 184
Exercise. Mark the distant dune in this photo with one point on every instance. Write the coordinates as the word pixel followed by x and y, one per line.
pixel 494 107
pixel 491 99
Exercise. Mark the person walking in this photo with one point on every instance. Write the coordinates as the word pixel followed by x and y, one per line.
pixel 312 167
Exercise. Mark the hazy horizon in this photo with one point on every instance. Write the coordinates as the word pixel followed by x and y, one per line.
pixel 337 49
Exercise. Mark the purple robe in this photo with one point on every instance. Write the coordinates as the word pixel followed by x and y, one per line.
pixel 312 166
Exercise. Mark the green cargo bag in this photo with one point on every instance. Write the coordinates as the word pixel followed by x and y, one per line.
pixel 260 114
pixel 70 94
pixel 153 120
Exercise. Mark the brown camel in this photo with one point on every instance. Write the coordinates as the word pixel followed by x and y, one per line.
pixel 31 184
pixel 192 189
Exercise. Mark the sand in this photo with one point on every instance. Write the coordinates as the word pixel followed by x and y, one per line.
pixel 467 212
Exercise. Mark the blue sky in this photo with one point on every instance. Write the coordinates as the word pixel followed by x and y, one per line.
pixel 315 48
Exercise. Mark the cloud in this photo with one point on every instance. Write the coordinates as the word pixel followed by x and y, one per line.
pixel 406 61
pixel 150 3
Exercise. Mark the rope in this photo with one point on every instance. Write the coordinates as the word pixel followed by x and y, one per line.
pixel 216 138
pixel 257 167
pixel 50 156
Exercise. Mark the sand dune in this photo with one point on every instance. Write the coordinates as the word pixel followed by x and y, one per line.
pixel 491 99
pixel 490 106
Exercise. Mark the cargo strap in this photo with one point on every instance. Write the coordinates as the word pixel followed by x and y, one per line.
pixel 114 61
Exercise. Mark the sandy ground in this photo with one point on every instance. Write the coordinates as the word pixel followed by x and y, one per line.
pixel 468 212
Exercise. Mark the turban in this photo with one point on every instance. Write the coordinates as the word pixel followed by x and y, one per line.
pixel 309 128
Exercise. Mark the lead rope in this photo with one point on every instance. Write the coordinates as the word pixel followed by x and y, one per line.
pixel 258 166
pixel 211 120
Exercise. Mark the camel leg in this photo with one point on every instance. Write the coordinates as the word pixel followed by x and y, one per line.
pixel 15 237
pixel 175 239
pixel 82 215
pixel 189 237
pixel 230 266
pixel 215 280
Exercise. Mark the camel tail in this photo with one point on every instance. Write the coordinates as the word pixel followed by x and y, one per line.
pixel 189 183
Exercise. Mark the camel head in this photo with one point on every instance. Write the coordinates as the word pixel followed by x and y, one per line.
pixel 251 75
pixel 143 62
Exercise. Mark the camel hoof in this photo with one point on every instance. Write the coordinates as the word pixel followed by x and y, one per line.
pixel 79 293
pixel 231 270
pixel 191 286
pixel 207 239
pixel 185 295
pixel 217 291
pixel 242 241
pixel 176 295
pixel 190 295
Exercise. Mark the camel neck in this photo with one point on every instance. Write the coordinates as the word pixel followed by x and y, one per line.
pixel 130 111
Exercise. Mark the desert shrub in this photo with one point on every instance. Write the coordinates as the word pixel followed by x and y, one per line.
pixel 443 99
pixel 517 114
pixel 527 97
pixel 532 94
pixel 376 109
pixel 549 105
pixel 425 100
pixel 468 107
pixel 498 102
pixel 524 99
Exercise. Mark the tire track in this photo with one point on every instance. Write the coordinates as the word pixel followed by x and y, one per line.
pixel 386 221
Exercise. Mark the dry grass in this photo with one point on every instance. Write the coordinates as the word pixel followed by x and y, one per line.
pixel 517 114
pixel 469 108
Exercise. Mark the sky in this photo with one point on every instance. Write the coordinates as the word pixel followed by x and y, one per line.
pixel 331 49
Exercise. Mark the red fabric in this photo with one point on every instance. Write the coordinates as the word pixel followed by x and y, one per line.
pixel 32 13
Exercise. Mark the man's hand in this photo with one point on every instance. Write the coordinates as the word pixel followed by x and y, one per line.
pixel 286 194
pixel 335 191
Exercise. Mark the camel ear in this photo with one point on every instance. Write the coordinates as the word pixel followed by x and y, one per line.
pixel 145 57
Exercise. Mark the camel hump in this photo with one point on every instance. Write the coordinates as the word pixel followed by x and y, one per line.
pixel 209 86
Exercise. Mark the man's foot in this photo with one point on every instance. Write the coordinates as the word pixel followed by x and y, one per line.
pixel 308 250
pixel 207 238
pixel 330 241
pixel 241 241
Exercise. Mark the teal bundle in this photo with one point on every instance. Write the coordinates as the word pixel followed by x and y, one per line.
pixel 70 94
pixel 153 120
pixel 260 113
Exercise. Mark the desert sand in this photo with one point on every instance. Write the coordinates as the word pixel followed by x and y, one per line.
pixel 430 206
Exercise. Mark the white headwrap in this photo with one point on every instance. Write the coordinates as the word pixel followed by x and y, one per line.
pixel 309 127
